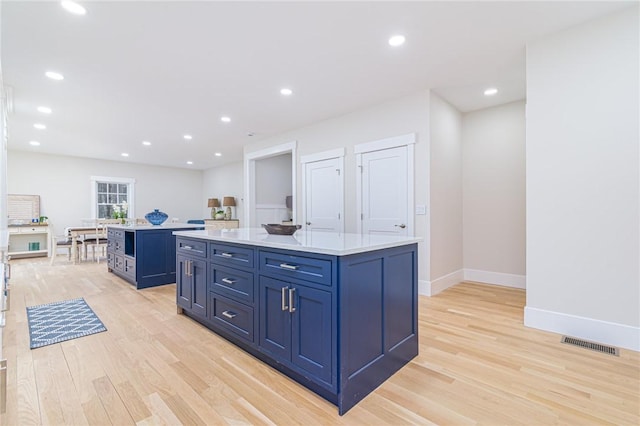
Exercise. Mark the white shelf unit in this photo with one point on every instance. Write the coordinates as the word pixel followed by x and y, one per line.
pixel 22 236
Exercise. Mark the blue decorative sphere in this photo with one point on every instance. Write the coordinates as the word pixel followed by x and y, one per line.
pixel 156 217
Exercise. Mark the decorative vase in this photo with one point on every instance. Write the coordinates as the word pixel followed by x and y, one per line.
pixel 156 217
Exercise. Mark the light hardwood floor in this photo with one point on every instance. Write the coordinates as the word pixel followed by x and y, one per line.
pixel 477 364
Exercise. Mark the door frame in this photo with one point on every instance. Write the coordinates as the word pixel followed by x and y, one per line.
pixel 321 156
pixel 250 176
pixel 407 140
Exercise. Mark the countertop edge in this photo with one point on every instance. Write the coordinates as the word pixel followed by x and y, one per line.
pixel 205 235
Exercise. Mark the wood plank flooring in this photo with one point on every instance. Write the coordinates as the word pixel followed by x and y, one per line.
pixel 478 364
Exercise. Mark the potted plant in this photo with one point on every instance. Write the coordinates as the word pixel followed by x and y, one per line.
pixel 219 214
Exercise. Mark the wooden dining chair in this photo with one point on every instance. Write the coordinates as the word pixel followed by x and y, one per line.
pixel 63 241
pixel 99 239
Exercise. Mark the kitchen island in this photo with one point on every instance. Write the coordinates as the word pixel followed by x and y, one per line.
pixel 335 312
pixel 144 255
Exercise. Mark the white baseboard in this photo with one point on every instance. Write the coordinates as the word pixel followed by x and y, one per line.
pixel 431 288
pixel 498 278
pixel 609 333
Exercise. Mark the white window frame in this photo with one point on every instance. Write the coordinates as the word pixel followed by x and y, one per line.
pixel 130 182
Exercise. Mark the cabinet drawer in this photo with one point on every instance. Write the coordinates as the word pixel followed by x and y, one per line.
pixel 232 316
pixel 233 283
pixel 299 267
pixel 111 260
pixel 191 247
pixel 115 233
pixel 33 230
pixel 118 263
pixel 232 255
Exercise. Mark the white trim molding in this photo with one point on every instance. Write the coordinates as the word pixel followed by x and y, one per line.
pixel 496 278
pixel 320 156
pixel 379 145
pixel 604 332
pixel 431 288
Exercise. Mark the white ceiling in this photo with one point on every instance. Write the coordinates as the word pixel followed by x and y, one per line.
pixel 155 71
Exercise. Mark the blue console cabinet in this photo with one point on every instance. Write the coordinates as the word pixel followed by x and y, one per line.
pixel 339 325
pixel 145 256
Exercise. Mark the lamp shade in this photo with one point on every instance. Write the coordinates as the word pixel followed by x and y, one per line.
pixel 213 202
pixel 228 201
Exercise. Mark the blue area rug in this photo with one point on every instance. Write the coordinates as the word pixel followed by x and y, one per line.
pixel 59 321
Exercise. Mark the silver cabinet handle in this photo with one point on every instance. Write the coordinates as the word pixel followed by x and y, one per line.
pixel 188 267
pixel 187 247
pixel 229 314
pixel 292 292
pixel 401 226
pixel 284 299
pixel 290 267
pixel 228 281
pixel 308 223
pixel 224 254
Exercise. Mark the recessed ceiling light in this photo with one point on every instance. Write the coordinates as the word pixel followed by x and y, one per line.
pixel 34 143
pixel 188 137
pixel 286 91
pixel 125 154
pixel 73 7
pixel 189 162
pixel 396 40
pixel 490 91
pixel 44 109
pixel 54 75
pixel 217 154
pixel 225 119
pixel 39 126
pixel 146 143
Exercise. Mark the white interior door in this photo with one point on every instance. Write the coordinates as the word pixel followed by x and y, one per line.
pixel 385 192
pixel 323 195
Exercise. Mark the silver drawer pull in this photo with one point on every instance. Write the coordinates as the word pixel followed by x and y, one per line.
pixel 228 281
pixel 290 267
pixel 187 247
pixel 229 314
pixel 224 254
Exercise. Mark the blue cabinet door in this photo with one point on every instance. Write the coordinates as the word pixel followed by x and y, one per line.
pixel 183 283
pixel 198 287
pixel 275 323
pixel 311 343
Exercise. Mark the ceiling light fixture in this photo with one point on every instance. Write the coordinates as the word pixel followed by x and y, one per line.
pixel 490 91
pixel 34 143
pixel 225 119
pixel 397 40
pixel 125 154
pixel 54 75
pixel 39 126
pixel 217 154
pixel 73 7
pixel 44 110
pixel 286 92
pixel 188 137
pixel 146 143
pixel 189 162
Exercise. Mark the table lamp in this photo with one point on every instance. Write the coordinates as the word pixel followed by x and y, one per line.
pixel 213 203
pixel 228 202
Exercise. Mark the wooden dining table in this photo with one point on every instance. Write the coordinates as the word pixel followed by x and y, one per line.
pixel 76 232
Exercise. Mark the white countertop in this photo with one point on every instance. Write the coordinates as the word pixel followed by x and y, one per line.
pixel 149 227
pixel 331 243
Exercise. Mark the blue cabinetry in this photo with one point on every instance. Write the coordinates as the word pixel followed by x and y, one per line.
pixel 340 325
pixel 143 256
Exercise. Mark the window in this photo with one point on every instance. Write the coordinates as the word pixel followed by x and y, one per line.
pixel 110 194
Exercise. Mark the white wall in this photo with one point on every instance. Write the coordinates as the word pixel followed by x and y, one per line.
pixel 64 186
pixel 273 179
pixel 227 180
pixel 446 195
pixel 409 114
pixel 493 175
pixel 583 272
